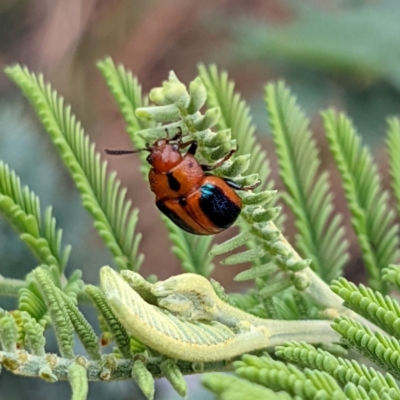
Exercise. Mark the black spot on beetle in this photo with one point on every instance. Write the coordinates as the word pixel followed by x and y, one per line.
pixel 182 201
pixel 218 207
pixel 173 182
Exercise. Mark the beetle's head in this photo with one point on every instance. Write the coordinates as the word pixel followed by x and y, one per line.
pixel 164 155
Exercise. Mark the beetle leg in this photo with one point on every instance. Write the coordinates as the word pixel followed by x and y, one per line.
pixel 193 147
pixel 177 136
pixel 238 186
pixel 219 162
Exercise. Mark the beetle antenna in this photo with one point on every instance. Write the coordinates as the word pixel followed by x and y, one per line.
pixel 122 152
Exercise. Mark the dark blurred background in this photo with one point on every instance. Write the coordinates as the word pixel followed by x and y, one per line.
pixel 344 54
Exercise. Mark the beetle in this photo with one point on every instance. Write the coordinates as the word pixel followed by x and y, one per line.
pixel 195 200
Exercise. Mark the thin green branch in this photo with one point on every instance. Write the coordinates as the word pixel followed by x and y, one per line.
pixel 108 369
pixel 10 287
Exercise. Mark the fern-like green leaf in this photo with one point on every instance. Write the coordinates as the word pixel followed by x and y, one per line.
pixel 193 251
pixel 58 312
pixel 393 149
pixel 119 333
pixel 383 311
pixel 372 219
pixel 381 349
pixel 101 194
pixel 127 92
pixel 228 387
pixel 235 115
pixel 278 376
pixel 344 371
pixel 320 234
pixel 391 275
pixel 21 207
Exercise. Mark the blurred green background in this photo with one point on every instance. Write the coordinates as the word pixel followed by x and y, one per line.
pixel 342 54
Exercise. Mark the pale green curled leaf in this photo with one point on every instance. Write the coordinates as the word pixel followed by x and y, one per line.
pixel 78 380
pixel 143 378
pixel 57 311
pixel 383 311
pixel 190 322
pixel 321 235
pixel 8 332
pixel 381 349
pixel 393 150
pixel 174 375
pixel 392 275
pixel 101 193
pixel 344 371
pixel 83 329
pixel 372 218
pixel 306 384
pixel 119 333
pixel 21 208
pixel 229 387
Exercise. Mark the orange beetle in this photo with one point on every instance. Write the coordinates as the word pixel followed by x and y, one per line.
pixel 196 201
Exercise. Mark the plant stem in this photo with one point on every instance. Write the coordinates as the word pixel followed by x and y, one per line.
pixel 10 287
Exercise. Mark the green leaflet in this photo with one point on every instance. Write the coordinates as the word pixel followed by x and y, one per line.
pixel 78 381
pixel 308 194
pixel 384 311
pixel 278 376
pixel 393 150
pixel 228 387
pixel 372 219
pixel 58 313
pixel 381 349
pixel 21 207
pixel 101 193
pixel 120 335
pixel 346 372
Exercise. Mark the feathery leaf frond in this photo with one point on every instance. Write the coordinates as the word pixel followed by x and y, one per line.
pixel 344 371
pixel 320 234
pixel 391 274
pixel 21 207
pixel 119 333
pixel 372 219
pixel 101 194
pixel 278 376
pixel 235 115
pixel 383 311
pixel 393 149
pixel 381 349
pixel 228 387
pixel 58 313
